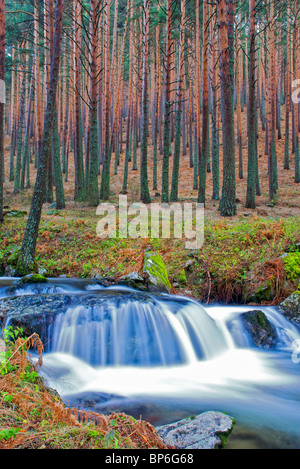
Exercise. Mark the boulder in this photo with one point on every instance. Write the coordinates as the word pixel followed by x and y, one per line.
pixel 208 430
pixel 32 278
pixel 290 307
pixel 157 278
pixel 133 280
pixel 261 331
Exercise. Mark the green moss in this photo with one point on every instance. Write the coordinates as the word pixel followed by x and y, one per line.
pixel 33 278
pixel 260 319
pixel 224 436
pixel 264 292
pixel 182 277
pixel 154 265
pixel 14 255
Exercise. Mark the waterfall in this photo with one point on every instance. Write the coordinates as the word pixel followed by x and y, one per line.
pixel 138 331
pixel 161 357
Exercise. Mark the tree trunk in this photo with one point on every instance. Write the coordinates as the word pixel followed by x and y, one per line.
pixel 27 255
pixel 2 104
pixel 250 201
pixel 287 94
pixel 228 199
pixel 175 175
pixel 205 107
pixel 93 190
pixel 167 136
pixel 145 196
pixel 296 104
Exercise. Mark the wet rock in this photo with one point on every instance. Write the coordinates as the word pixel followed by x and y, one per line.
pixel 208 430
pixel 262 332
pixel 133 280
pixel 32 278
pixel 37 312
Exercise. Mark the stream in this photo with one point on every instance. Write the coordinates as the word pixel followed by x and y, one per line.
pixel 162 357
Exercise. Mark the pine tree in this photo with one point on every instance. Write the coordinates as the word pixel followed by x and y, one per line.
pixel 228 199
pixel 2 77
pixel 27 255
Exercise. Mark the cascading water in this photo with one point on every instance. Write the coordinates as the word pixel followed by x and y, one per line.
pixel 164 357
pixel 138 330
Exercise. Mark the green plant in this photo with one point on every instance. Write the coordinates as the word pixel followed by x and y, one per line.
pixel 292 265
pixel 10 433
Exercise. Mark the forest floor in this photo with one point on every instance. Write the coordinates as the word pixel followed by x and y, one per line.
pixel 241 258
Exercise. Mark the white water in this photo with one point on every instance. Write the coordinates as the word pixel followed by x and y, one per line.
pixel 168 357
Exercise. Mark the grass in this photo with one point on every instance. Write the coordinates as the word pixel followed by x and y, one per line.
pixel 32 416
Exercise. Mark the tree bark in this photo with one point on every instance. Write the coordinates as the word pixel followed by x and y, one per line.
pixel 250 200
pixel 145 196
pixel 167 135
pixel 26 259
pixel 2 77
pixel 228 199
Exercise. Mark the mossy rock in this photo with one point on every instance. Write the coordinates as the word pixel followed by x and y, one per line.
pixel 16 213
pixel 262 332
pixel 158 276
pixel 33 278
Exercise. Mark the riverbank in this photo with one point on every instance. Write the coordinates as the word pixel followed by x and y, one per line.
pixel 246 259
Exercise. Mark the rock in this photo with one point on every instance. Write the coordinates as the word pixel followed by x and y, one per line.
pixel 262 332
pixel 104 281
pixel 208 430
pixel 133 280
pixel 16 213
pixel 189 263
pixel 42 271
pixel 158 279
pixel 32 278
pixel 9 271
pixel 290 307
pixel 37 312
pixel 34 313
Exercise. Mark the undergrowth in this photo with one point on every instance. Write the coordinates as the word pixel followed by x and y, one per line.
pixel 238 259
pixel 32 416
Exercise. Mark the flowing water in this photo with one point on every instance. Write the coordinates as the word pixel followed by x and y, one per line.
pixel 164 357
